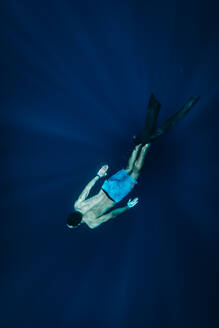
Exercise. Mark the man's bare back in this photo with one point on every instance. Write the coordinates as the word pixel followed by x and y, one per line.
pixel 93 208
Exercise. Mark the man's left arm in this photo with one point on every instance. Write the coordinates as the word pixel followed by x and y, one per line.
pixel 111 215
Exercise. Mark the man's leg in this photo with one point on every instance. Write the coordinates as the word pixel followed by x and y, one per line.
pixel 139 162
pixel 132 159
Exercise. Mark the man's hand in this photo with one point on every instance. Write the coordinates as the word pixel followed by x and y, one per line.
pixel 133 202
pixel 102 171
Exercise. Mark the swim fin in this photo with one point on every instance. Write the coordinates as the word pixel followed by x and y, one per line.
pixel 153 109
pixel 149 135
pixel 168 124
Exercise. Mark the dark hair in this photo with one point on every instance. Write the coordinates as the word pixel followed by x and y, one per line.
pixel 74 219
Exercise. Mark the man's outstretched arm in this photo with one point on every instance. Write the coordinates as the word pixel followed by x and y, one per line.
pixel 101 173
pixel 86 190
pixel 113 214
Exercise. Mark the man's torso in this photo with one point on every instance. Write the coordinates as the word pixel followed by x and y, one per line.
pixel 94 207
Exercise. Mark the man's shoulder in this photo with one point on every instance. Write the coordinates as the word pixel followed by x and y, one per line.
pixel 91 220
pixel 78 205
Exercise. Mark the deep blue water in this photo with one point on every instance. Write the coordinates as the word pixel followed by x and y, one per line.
pixel 75 81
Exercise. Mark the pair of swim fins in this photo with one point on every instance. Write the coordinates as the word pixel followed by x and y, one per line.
pixel 149 135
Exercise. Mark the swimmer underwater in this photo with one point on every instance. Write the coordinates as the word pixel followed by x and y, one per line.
pixel 92 211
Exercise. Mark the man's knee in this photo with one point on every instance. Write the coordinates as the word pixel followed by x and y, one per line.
pixel 137 167
pixel 136 171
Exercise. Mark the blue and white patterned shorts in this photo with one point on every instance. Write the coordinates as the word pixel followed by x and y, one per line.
pixel 119 185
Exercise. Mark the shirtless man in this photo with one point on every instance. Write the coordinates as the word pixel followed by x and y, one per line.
pixel 92 210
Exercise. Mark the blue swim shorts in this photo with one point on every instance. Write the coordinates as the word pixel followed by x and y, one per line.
pixel 118 185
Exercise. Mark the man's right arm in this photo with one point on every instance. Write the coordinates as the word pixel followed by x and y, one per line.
pixel 86 191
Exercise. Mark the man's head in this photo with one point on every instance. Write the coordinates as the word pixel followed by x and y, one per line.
pixel 74 219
